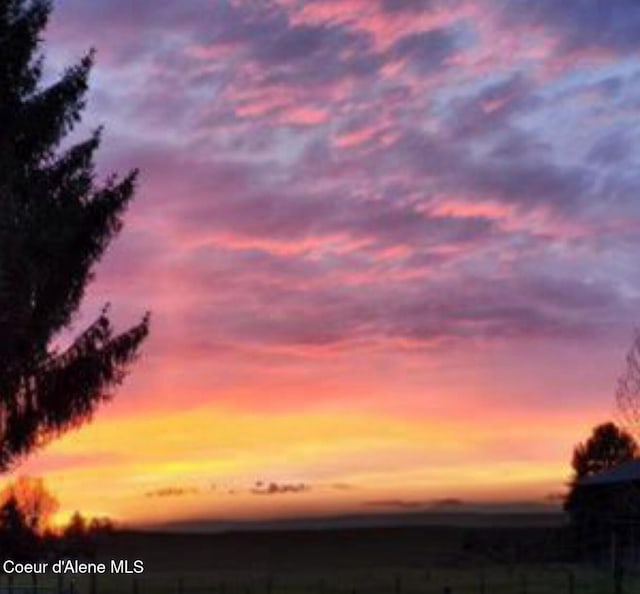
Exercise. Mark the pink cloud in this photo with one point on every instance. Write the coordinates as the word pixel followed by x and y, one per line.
pixel 385 27
pixel 305 116
pixel 352 204
pixel 356 137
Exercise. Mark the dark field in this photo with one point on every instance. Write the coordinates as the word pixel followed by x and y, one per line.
pixel 474 540
pixel 502 555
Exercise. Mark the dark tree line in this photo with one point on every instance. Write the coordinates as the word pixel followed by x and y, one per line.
pixel 27 531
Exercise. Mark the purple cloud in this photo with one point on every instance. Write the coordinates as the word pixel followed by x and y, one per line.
pixel 587 24
pixel 316 175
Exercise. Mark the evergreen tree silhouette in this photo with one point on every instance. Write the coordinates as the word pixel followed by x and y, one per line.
pixel 56 220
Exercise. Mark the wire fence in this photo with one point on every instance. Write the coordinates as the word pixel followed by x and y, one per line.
pixel 493 580
pixel 35 585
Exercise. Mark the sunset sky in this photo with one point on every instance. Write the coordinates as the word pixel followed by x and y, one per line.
pixel 391 248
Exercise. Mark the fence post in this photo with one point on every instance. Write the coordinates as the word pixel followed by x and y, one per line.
pixel 180 585
pixel 10 583
pixel 447 590
pixel 60 584
pixel 483 583
pixel 572 582
pixel 136 586
pixel 72 586
pixel 617 583
pixel 523 584
pixel 270 585
pixel 397 584
pixel 93 584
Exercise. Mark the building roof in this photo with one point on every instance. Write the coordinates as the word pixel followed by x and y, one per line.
pixel 627 472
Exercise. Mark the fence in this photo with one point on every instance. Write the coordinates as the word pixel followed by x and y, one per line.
pixel 9 585
pixel 494 580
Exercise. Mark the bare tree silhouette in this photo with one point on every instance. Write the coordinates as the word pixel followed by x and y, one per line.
pixel 628 390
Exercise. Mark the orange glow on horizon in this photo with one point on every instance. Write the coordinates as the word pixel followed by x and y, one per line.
pixel 216 462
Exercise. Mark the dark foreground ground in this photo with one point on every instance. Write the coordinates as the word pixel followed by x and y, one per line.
pixel 463 541
pixel 453 555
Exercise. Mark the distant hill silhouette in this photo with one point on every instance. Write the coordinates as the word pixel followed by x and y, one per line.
pixel 439 514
